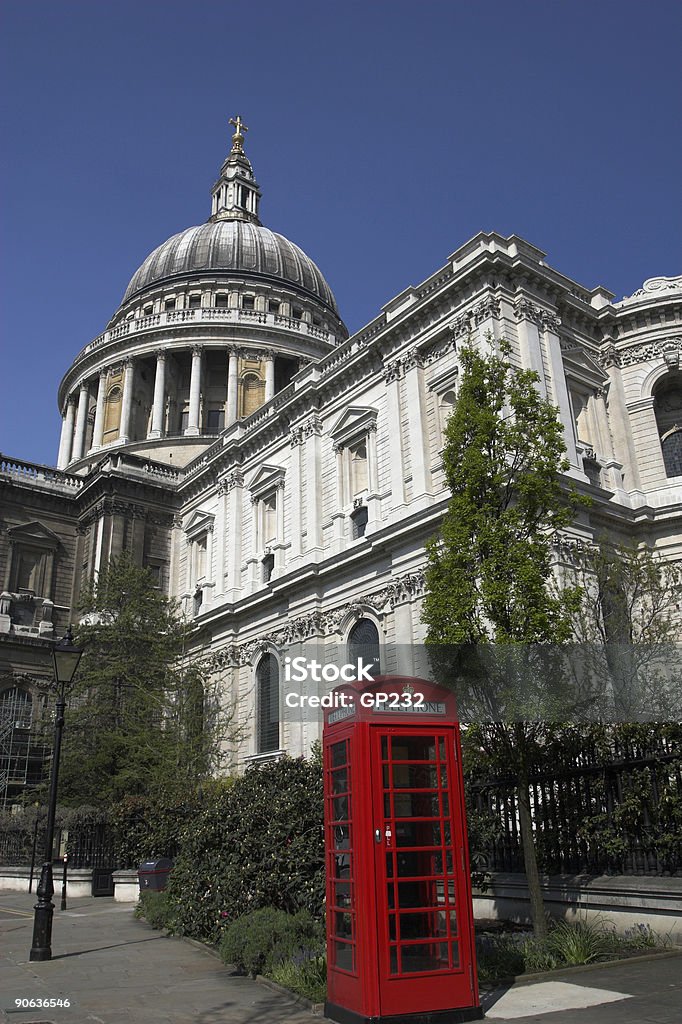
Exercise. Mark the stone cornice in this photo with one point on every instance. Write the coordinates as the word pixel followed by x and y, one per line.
pixel 326 623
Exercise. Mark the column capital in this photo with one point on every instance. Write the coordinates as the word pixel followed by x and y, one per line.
pixel 160 354
pixel 197 350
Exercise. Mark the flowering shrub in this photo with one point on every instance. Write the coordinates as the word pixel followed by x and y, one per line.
pixel 258 843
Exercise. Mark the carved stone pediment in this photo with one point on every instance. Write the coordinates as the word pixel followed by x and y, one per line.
pixel 34 535
pixel 352 423
pixel 265 479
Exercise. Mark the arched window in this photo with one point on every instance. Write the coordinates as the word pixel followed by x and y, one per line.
pixel 668 409
pixel 363 642
pixel 671 446
pixel 267 687
pixel 446 407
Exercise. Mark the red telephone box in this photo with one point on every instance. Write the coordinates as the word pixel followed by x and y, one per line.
pixel 400 930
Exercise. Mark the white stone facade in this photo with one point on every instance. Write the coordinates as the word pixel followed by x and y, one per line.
pixel 292 523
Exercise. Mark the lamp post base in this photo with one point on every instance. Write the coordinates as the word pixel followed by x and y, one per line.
pixel 41 948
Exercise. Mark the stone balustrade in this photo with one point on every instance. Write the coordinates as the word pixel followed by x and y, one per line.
pixel 193 317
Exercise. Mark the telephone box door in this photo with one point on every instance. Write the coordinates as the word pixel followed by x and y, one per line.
pixel 424 927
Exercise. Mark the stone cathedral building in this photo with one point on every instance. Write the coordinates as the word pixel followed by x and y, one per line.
pixel 281 478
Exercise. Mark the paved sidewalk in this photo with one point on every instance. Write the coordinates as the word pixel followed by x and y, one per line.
pixel 116 970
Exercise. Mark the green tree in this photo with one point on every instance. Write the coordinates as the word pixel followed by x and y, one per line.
pixel 489 594
pixel 144 715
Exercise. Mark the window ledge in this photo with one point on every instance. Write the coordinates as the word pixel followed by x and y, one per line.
pixel 271 755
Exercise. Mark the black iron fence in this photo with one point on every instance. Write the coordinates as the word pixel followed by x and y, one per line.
pixel 619 817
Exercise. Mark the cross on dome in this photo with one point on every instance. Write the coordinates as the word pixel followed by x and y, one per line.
pixel 239 126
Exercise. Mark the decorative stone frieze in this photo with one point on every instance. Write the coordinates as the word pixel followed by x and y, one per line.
pixel 328 623
pixel 668 349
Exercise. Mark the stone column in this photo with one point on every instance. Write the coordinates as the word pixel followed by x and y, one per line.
pixel 232 387
pixel 373 500
pixel 550 326
pixel 418 430
pixel 192 429
pixel 269 376
pixel 313 462
pixel 81 422
pixel 529 318
pixel 159 396
pixel 296 495
pixel 127 401
pixel 98 429
pixel 394 428
pixel 66 439
pixel 234 485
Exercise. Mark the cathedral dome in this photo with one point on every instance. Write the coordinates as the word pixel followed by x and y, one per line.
pixel 240 247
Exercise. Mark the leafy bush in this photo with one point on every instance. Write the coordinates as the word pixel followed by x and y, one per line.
pixel 307 979
pixel 258 942
pixel 156 910
pixel 258 843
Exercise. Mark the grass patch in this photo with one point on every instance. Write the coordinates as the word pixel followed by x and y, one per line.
pixel 307 979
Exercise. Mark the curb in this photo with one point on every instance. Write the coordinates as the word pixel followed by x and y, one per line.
pixel 560 972
pixel 316 1008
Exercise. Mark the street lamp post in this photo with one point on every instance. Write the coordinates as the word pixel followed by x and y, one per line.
pixel 66 657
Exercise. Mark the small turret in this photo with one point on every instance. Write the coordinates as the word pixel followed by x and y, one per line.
pixel 235 195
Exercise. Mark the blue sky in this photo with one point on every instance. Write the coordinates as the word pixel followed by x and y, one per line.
pixel 383 135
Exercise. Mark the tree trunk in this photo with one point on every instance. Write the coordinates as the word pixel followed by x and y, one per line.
pixel 530 860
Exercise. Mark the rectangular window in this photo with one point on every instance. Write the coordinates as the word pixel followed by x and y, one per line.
pixel 221 301
pixel 273 306
pixel 194 301
pixel 215 421
pixel 200 558
pixel 169 304
pixel 358 468
pixel 247 302
pixel 269 519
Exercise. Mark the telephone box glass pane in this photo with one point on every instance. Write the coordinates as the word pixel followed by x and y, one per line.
pixel 344 956
pixel 416 805
pixel 429 956
pixel 339 753
pixel 427 925
pixel 414 776
pixel 418 833
pixel 413 748
pixel 342 894
pixel 340 808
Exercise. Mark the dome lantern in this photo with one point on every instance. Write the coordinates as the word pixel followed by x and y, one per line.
pixel 236 195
